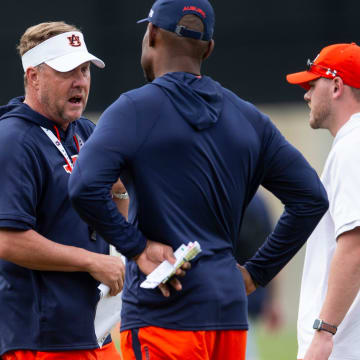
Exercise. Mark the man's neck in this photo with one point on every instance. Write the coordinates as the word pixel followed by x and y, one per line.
pixel 343 115
pixel 176 65
pixel 34 105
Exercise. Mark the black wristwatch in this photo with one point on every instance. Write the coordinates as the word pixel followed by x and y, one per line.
pixel 320 325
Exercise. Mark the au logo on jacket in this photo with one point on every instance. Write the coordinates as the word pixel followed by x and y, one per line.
pixel 67 167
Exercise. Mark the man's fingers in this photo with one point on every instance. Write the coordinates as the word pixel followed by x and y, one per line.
pixel 114 289
pixel 164 290
pixel 169 255
pixel 175 283
pixel 186 265
pixel 180 272
pixel 248 281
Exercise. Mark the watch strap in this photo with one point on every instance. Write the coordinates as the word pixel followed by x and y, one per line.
pixel 321 325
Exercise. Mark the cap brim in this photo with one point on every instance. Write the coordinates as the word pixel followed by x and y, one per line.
pixel 71 61
pixel 302 78
pixel 142 20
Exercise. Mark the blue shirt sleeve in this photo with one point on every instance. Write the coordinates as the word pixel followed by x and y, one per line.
pixel 20 182
pixel 94 174
pixel 292 180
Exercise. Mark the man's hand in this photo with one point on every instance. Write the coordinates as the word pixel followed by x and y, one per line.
pixel 248 281
pixel 152 256
pixel 109 270
pixel 320 347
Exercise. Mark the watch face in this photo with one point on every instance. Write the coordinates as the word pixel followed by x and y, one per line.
pixel 317 324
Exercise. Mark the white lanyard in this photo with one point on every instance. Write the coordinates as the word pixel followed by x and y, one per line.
pixel 60 146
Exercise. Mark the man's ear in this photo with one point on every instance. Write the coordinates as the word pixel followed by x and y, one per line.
pixel 153 32
pixel 32 77
pixel 338 87
pixel 209 50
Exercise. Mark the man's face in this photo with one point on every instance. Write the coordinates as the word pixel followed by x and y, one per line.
pixel 63 95
pixel 318 98
pixel 146 61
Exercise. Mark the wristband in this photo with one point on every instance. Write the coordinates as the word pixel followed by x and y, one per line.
pixel 320 325
pixel 119 195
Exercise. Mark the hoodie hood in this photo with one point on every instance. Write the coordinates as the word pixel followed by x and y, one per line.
pixel 17 108
pixel 198 99
pixel 13 103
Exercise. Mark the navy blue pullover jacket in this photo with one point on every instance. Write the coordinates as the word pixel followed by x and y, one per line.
pixel 192 155
pixel 43 310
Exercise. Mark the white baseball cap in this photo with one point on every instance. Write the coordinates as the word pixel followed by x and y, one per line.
pixel 63 52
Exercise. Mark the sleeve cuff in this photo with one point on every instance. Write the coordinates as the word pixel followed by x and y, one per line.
pixel 255 275
pixel 137 250
pixel 16 224
pixel 347 227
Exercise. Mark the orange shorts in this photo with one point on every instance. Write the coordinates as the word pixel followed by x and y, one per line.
pixel 107 352
pixel 153 343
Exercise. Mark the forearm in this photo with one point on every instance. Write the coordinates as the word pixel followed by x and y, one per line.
pixel 290 234
pixel 305 199
pixel 95 206
pixel 122 202
pixel 31 250
pixel 344 278
pixel 123 206
pixel 343 286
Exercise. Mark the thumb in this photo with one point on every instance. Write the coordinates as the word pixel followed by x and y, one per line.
pixel 169 255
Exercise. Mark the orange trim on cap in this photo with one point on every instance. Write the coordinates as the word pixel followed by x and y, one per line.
pixel 302 78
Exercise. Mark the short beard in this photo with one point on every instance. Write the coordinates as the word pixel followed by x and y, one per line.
pixel 57 115
pixel 322 116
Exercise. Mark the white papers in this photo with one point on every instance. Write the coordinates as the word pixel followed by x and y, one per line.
pixel 107 313
pixel 165 270
pixel 109 307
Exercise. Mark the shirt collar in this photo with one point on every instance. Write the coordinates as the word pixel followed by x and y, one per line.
pixel 348 127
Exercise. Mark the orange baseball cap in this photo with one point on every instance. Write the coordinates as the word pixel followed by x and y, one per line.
pixel 341 60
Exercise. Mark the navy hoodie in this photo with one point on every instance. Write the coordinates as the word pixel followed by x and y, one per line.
pixel 43 310
pixel 192 155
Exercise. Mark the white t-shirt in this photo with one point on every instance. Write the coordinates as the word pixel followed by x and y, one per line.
pixel 341 178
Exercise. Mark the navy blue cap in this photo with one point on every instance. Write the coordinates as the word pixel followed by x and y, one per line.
pixel 166 14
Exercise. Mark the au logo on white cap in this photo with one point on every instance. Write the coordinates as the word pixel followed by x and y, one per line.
pixel 74 40
pixel 63 52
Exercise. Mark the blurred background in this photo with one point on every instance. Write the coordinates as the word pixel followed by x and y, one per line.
pixel 257 44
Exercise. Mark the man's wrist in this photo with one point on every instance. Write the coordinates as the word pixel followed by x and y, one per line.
pixel 256 284
pixel 136 257
pixel 120 195
pixel 321 325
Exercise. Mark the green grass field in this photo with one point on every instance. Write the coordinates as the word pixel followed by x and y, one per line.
pixel 277 346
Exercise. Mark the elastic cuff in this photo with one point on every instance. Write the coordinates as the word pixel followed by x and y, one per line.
pixel 137 250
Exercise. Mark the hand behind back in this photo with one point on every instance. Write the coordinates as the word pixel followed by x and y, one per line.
pixel 152 256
